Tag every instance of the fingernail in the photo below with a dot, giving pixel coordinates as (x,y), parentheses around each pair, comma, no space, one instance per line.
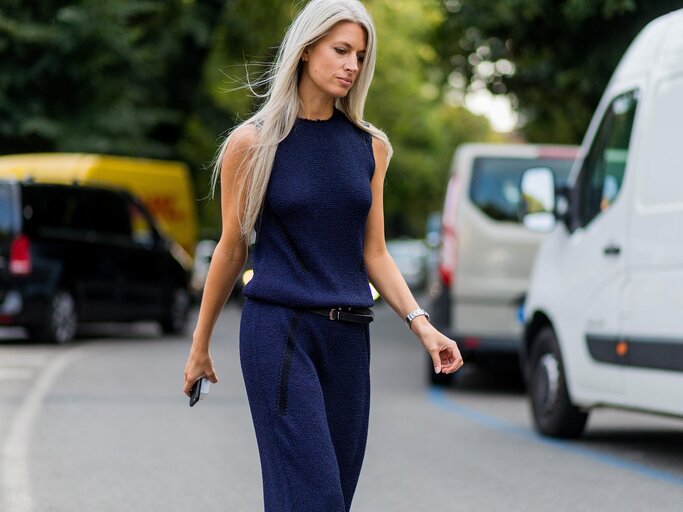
(437,369)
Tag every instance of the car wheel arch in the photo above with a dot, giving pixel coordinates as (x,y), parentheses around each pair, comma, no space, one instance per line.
(538,322)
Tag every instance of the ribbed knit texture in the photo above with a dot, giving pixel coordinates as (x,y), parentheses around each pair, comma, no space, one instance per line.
(308,383)
(309,243)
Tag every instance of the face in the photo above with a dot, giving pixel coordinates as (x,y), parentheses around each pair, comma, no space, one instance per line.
(333,63)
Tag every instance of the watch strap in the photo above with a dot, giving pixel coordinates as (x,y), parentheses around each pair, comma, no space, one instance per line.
(414,314)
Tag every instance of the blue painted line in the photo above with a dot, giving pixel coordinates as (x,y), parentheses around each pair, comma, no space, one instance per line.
(438,398)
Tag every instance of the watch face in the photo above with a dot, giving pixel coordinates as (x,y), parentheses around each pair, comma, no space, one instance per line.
(414,314)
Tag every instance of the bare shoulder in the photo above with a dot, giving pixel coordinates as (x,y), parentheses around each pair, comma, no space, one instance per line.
(236,154)
(243,138)
(379,148)
(381,152)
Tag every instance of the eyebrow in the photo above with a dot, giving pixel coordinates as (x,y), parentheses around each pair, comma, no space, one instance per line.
(344,43)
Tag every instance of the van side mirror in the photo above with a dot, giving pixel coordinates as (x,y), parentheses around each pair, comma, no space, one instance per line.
(538,198)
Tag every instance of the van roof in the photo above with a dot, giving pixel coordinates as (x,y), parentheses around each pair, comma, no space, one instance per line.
(520,150)
(42,185)
(658,46)
(466,153)
(69,167)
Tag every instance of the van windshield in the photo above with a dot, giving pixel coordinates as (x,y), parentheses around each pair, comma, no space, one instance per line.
(494,187)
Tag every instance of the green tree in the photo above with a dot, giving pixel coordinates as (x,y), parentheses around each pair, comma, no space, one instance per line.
(553,57)
(405,100)
(151,78)
(245,40)
(112,76)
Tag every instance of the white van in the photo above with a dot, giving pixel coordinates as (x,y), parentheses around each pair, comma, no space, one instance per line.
(486,253)
(604,312)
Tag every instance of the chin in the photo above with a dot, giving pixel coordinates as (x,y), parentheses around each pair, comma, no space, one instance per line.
(343,93)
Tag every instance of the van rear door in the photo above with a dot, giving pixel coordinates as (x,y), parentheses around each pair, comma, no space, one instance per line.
(9,225)
(495,251)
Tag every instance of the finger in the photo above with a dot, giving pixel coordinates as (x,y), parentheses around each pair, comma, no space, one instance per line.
(454,365)
(447,358)
(213,378)
(189,383)
(436,361)
(446,355)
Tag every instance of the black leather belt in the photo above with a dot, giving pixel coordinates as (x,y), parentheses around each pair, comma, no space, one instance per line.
(354,315)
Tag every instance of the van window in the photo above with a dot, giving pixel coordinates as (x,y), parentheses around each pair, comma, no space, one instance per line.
(76,213)
(107,215)
(50,211)
(603,169)
(494,187)
(142,231)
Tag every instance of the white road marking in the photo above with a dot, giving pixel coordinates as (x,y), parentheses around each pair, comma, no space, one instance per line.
(24,359)
(16,373)
(15,474)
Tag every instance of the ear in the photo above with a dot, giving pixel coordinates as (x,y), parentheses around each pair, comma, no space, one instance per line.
(305,55)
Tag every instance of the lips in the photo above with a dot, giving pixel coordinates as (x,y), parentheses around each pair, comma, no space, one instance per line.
(346,82)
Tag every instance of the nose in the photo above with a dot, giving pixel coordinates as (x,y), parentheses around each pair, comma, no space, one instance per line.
(351,63)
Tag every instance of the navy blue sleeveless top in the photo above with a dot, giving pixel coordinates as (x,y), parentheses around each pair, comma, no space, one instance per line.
(309,238)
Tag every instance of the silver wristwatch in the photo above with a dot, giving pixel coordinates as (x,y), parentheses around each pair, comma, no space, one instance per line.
(414,314)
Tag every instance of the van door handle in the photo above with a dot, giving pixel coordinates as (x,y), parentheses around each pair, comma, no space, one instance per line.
(612,250)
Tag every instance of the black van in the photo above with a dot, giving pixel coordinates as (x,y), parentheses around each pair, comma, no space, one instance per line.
(72,254)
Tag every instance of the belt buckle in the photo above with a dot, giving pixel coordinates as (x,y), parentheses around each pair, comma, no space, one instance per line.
(332,315)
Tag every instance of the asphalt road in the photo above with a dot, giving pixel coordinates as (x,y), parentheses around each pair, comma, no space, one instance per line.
(102,425)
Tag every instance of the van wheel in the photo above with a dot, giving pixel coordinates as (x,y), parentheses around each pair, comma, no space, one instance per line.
(175,319)
(61,321)
(553,412)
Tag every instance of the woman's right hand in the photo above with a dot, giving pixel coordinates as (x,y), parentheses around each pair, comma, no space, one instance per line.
(199,364)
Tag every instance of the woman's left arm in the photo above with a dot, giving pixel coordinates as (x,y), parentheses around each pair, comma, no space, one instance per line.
(386,277)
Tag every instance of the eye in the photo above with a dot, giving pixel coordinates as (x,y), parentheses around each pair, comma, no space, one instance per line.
(340,51)
(361,58)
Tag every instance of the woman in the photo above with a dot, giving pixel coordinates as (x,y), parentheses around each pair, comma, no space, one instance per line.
(307,173)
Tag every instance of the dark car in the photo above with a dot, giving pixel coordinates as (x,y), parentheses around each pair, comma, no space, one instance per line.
(73,254)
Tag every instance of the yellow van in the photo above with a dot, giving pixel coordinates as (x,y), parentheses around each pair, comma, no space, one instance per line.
(164,187)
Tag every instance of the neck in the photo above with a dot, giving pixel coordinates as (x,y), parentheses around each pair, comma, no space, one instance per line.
(314,106)
(316,113)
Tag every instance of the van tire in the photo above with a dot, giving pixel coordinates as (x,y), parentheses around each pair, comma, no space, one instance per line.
(61,321)
(174,320)
(553,412)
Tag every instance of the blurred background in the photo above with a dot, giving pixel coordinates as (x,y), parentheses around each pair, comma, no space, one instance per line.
(157,79)
(111,112)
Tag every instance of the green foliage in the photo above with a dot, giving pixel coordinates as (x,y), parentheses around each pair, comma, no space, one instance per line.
(562,51)
(246,34)
(113,76)
(162,78)
(405,100)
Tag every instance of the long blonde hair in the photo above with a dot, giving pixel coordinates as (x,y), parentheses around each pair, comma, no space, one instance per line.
(277,115)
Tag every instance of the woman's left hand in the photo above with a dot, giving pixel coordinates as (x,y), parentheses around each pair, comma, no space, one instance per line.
(443,350)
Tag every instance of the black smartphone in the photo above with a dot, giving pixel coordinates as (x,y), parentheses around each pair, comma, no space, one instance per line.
(194,393)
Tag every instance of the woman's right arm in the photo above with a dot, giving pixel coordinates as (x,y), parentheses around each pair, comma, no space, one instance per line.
(227,260)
